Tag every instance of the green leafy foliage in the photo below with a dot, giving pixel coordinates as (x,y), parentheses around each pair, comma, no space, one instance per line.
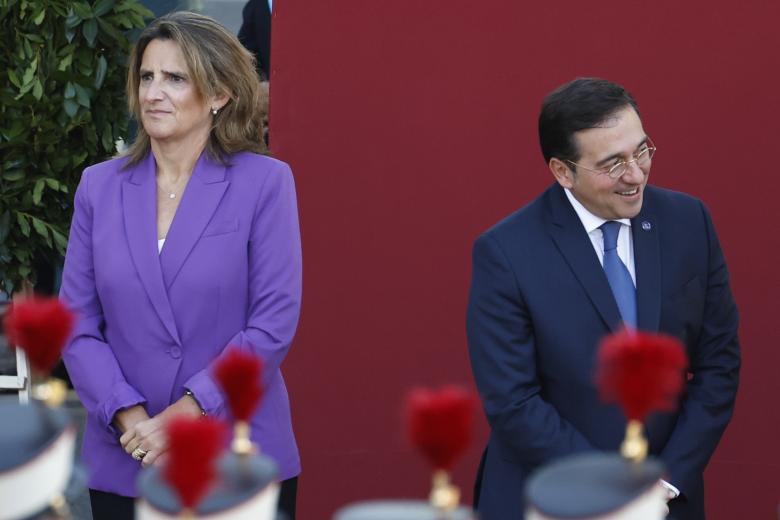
(62,108)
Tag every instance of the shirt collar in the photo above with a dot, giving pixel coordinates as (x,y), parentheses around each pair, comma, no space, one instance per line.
(590,221)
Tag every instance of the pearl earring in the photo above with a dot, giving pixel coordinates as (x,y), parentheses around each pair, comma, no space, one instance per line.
(214,111)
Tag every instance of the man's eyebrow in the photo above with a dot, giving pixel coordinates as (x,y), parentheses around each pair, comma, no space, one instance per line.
(614,156)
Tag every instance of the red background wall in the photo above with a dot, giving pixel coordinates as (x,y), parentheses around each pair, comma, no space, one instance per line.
(411,127)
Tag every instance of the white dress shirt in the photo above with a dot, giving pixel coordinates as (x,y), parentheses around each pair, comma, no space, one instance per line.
(592,223)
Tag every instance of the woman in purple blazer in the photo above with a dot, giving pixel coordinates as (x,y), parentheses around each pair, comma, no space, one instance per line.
(186,244)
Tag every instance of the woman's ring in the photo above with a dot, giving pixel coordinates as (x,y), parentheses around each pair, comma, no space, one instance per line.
(138,453)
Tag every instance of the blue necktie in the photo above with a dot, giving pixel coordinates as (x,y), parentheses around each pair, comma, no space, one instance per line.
(617,274)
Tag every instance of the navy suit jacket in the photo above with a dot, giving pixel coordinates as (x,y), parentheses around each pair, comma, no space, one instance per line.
(539,304)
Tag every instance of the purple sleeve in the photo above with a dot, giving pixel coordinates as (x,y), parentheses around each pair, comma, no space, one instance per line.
(274,286)
(91,363)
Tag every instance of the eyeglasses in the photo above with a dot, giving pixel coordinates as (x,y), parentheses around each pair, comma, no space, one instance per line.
(641,158)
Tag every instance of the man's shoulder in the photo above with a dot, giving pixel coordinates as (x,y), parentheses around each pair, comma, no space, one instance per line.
(664,202)
(666,196)
(527,220)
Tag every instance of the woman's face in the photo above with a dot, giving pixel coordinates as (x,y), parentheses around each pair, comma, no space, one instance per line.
(171,108)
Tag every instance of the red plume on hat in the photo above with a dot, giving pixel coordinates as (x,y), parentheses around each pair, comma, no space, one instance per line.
(194,446)
(40,326)
(643,373)
(440,424)
(239,373)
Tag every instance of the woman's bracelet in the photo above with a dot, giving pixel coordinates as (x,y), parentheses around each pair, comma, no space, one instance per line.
(189,393)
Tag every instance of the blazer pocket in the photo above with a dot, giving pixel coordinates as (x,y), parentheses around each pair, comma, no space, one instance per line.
(221,227)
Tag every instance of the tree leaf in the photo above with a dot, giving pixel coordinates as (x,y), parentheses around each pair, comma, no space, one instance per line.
(38,20)
(65,62)
(23,224)
(70,106)
(102,7)
(110,30)
(37,89)
(52,183)
(28,51)
(29,74)
(100,74)
(14,78)
(82,10)
(15,163)
(60,240)
(38,191)
(142,10)
(24,90)
(82,95)
(107,139)
(72,20)
(14,175)
(40,227)
(70,91)
(90,30)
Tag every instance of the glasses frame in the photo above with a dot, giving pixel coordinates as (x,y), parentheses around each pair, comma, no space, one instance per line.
(622,165)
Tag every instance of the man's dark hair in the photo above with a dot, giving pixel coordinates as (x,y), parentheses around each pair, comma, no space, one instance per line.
(578,105)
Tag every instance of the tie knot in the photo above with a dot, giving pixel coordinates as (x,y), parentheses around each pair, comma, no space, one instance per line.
(610,232)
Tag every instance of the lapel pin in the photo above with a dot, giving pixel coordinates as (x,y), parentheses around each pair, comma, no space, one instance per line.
(647,226)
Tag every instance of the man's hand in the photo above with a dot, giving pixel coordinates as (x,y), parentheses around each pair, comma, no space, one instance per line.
(669,494)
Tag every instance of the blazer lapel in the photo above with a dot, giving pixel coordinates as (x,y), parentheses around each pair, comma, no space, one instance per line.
(575,246)
(198,204)
(647,263)
(139,207)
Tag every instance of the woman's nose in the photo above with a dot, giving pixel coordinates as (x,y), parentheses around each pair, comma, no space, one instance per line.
(153,92)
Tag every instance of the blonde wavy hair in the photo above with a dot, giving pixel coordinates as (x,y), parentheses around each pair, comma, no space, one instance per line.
(217,63)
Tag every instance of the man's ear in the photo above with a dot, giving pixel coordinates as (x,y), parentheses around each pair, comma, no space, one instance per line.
(562,173)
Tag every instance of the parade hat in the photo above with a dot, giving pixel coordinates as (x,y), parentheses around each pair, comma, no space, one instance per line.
(200,478)
(227,487)
(439,424)
(36,459)
(597,486)
(642,373)
(37,439)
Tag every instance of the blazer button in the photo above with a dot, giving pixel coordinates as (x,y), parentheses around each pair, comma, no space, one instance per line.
(175,352)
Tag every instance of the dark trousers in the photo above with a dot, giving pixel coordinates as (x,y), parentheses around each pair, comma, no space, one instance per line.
(108,506)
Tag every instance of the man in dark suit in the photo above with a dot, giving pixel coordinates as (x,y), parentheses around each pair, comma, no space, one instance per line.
(598,249)
(255,34)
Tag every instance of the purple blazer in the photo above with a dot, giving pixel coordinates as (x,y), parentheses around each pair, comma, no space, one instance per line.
(151,325)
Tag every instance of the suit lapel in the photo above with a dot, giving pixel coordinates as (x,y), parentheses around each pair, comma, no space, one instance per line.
(575,246)
(139,207)
(647,263)
(198,204)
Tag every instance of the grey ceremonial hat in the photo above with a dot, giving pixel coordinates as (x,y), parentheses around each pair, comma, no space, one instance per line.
(596,486)
(246,488)
(36,458)
(399,510)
